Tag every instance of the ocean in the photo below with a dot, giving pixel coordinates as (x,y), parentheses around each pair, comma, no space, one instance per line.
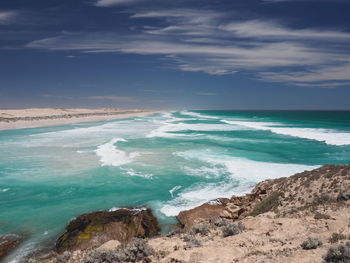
(169,161)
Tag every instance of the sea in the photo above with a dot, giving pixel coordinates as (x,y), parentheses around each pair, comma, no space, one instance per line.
(169,161)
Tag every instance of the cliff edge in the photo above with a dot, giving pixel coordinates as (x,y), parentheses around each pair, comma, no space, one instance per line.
(303,218)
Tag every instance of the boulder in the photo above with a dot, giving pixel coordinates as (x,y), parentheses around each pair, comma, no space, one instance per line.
(94,229)
(8,243)
(211,209)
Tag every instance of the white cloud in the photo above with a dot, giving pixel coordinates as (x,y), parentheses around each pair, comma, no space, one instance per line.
(55,96)
(271,29)
(329,73)
(7,17)
(107,3)
(324,85)
(205,41)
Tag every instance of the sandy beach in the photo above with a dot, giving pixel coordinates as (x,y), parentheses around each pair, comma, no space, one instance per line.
(41,117)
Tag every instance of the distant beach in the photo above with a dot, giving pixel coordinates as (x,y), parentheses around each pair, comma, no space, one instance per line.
(42,117)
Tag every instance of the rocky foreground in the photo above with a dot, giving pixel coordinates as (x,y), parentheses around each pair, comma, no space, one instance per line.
(302,218)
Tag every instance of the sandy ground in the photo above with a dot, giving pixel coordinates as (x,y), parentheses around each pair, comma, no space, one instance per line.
(41,117)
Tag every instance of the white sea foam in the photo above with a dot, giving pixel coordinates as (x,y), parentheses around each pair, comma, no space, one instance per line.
(134,209)
(243,176)
(113,209)
(169,117)
(331,137)
(244,169)
(175,188)
(110,155)
(206,172)
(196,196)
(132,172)
(4,190)
(198,115)
(169,130)
(214,202)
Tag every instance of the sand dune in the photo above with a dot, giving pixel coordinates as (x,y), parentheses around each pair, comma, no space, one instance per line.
(40,117)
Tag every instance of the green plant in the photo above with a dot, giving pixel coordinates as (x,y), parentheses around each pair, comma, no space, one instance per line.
(231,229)
(135,251)
(202,229)
(338,254)
(191,241)
(335,237)
(319,216)
(311,243)
(266,205)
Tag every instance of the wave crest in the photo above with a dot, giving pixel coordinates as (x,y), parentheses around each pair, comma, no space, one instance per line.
(110,155)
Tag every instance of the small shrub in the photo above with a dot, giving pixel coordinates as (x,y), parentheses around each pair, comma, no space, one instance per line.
(175,260)
(319,216)
(162,253)
(135,251)
(64,257)
(191,241)
(311,243)
(324,198)
(335,237)
(231,229)
(219,222)
(202,229)
(345,195)
(338,254)
(256,253)
(267,204)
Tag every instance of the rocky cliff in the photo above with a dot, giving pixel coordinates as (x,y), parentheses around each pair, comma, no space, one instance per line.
(303,218)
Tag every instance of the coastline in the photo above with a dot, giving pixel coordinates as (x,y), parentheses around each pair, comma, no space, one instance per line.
(301,218)
(46,117)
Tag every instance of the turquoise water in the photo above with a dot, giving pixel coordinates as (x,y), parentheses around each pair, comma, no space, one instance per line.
(169,161)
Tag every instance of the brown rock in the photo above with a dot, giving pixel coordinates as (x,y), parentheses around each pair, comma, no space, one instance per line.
(93,229)
(8,243)
(212,209)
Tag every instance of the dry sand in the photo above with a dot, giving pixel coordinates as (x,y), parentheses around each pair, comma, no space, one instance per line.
(41,117)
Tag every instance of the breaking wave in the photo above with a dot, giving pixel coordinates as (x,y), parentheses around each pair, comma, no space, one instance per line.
(328,136)
(110,155)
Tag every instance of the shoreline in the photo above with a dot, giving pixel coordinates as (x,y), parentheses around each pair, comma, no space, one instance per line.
(279,220)
(47,117)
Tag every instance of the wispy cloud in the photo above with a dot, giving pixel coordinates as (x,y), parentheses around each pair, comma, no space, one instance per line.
(341,74)
(324,85)
(55,96)
(108,3)
(316,1)
(273,29)
(206,94)
(216,43)
(114,98)
(8,17)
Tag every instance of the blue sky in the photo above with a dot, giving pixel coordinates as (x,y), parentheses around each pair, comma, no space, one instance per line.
(197,54)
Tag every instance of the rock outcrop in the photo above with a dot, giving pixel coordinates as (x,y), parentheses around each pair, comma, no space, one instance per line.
(208,210)
(283,195)
(299,219)
(93,229)
(8,243)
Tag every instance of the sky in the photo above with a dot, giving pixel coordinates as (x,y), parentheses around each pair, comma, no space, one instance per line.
(175,54)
